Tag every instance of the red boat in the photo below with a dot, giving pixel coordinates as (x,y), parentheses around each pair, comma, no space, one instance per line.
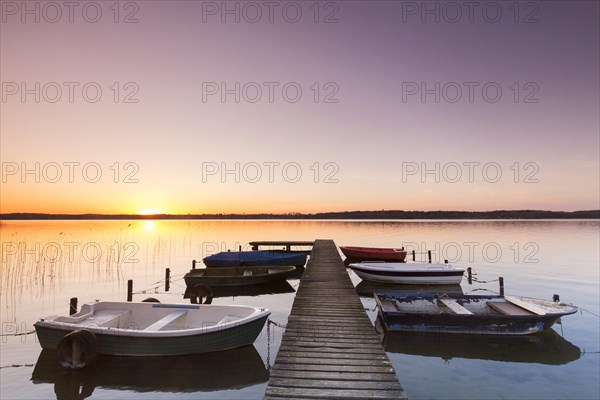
(374,253)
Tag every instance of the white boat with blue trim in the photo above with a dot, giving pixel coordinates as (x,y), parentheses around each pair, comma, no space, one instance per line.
(149,329)
(408,273)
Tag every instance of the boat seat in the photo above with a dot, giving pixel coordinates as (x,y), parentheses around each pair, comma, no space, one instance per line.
(106,318)
(248,272)
(388,305)
(507,308)
(454,306)
(526,305)
(166,320)
(228,318)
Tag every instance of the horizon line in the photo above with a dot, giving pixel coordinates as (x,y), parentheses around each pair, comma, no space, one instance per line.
(356,214)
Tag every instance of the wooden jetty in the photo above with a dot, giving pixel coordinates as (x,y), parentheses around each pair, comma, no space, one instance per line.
(287,244)
(330,349)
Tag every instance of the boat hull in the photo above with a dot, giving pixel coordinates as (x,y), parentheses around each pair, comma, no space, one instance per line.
(411,278)
(127,343)
(236,277)
(254,258)
(479,325)
(373,253)
(409,274)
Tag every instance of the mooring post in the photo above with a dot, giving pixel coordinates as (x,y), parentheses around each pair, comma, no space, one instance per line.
(470,276)
(73,306)
(130,290)
(193,264)
(240,248)
(167,279)
(429,255)
(501,282)
(413,254)
(445,261)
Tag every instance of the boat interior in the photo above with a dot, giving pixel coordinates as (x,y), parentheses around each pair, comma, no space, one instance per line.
(498,305)
(154,316)
(241,271)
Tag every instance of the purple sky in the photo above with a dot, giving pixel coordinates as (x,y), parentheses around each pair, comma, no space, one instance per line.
(371,131)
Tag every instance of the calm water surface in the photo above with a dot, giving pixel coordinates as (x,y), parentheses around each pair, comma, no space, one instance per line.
(46,263)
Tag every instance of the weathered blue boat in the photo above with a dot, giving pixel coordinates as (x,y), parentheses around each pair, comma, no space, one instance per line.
(250,258)
(473,314)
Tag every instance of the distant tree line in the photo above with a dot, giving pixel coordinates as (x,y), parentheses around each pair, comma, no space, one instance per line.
(381,214)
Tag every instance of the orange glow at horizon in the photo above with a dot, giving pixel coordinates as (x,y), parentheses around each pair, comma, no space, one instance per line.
(151,212)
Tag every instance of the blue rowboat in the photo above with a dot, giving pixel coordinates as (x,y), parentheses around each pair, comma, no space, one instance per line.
(253,258)
(474,314)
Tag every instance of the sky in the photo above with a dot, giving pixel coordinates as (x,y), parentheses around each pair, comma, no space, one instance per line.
(282,107)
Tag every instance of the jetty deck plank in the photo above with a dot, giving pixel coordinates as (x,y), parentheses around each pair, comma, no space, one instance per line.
(329,348)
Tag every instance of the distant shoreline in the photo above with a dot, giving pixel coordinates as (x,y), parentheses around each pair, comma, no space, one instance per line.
(349,215)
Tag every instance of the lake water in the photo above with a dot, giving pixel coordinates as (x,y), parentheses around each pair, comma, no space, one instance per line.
(44,264)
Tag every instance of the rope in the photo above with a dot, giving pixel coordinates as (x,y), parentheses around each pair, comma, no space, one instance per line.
(587,311)
(155,288)
(18,366)
(277,324)
(269,323)
(268,346)
(589,352)
(478,281)
(18,334)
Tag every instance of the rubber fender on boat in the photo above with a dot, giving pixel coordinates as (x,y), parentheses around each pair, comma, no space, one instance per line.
(150,300)
(77,349)
(199,292)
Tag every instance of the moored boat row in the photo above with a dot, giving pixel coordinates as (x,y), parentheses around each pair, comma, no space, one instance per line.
(150,329)
(154,329)
(424,310)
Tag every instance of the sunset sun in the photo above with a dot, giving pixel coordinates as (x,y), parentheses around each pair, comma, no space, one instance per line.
(151,211)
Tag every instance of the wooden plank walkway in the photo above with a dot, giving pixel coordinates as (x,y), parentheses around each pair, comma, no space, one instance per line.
(330,349)
(285,243)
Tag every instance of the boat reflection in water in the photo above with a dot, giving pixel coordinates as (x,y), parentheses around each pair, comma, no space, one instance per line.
(547,347)
(367,288)
(231,369)
(252,290)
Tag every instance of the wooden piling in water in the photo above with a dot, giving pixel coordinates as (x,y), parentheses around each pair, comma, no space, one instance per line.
(330,348)
(73,305)
(501,283)
(130,290)
(167,279)
(429,256)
